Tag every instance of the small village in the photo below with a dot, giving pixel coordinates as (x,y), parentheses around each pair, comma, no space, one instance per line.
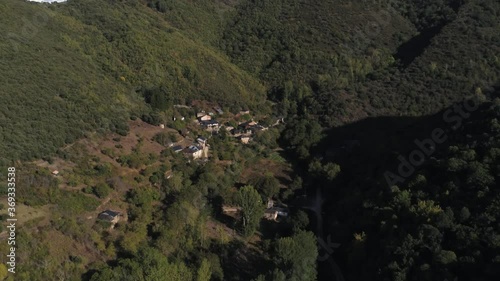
(212,122)
(198,126)
(208,120)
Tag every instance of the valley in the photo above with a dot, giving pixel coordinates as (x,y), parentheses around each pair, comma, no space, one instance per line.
(259,140)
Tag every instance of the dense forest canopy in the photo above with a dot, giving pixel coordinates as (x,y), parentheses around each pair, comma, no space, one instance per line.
(89,62)
(350,92)
(413,217)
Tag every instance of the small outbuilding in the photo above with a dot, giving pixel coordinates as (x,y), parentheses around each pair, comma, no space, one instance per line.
(202,141)
(194,151)
(205,118)
(110,216)
(177,148)
(244,139)
(271,214)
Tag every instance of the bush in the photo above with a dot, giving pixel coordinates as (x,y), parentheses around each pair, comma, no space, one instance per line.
(101,190)
(71,203)
(446,257)
(88,190)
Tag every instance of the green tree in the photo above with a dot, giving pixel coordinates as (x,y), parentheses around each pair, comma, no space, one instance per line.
(300,220)
(445,257)
(148,265)
(267,185)
(252,208)
(175,182)
(101,190)
(296,256)
(327,171)
(331,171)
(464,214)
(163,138)
(260,278)
(3,271)
(204,271)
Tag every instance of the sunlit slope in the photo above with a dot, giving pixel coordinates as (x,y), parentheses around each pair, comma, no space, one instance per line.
(72,67)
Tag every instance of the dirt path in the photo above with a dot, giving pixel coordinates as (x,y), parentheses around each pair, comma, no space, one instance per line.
(106,201)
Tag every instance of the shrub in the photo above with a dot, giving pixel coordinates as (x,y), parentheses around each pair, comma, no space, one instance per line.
(101,190)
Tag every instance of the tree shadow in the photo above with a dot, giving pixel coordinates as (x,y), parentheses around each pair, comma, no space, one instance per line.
(225,219)
(365,151)
(241,262)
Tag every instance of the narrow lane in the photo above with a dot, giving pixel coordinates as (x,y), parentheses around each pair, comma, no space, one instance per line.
(316,207)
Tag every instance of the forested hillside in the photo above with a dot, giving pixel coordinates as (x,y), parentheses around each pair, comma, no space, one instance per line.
(311,43)
(337,61)
(342,62)
(83,65)
(202,19)
(407,217)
